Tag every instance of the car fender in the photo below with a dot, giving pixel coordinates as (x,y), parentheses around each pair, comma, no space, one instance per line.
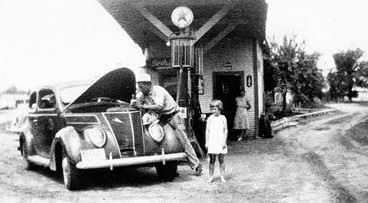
(70,140)
(172,142)
(26,136)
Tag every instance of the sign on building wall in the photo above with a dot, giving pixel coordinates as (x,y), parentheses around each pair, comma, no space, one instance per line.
(228,66)
(159,63)
(249,81)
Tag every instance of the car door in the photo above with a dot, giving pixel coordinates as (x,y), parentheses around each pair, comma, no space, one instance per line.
(45,122)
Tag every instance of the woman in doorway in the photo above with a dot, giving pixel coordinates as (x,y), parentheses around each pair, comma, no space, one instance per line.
(241,117)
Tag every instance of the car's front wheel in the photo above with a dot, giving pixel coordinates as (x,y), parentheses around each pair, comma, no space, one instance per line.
(167,171)
(70,173)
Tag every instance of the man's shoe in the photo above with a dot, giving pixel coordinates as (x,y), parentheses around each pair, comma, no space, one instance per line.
(198,170)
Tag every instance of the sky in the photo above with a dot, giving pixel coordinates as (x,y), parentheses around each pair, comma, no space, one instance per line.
(326,26)
(51,41)
(46,41)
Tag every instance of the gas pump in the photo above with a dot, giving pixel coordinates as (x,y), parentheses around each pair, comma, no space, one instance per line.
(182,58)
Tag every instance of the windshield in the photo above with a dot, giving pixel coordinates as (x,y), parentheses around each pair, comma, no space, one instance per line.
(69,94)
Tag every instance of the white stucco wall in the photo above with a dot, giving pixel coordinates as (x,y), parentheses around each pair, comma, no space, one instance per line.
(239,53)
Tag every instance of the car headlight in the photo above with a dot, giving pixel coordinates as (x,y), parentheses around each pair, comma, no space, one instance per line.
(156,132)
(96,135)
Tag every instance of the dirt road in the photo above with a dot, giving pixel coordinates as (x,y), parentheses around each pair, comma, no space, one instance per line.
(323,159)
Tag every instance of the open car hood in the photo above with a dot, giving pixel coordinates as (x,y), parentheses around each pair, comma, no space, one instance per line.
(118,84)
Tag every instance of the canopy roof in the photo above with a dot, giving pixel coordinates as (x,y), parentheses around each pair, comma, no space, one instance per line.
(147,20)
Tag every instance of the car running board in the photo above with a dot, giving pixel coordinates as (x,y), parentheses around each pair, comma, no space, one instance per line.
(38,160)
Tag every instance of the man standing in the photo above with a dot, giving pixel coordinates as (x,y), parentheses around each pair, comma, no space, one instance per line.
(157,99)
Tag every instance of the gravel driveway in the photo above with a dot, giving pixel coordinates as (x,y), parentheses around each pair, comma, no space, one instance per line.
(323,159)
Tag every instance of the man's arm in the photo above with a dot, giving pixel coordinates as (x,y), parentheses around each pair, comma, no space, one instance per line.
(153,107)
(142,104)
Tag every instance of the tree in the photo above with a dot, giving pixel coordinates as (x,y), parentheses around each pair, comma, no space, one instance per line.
(296,70)
(14,90)
(335,91)
(310,80)
(284,57)
(350,72)
(11,90)
(362,74)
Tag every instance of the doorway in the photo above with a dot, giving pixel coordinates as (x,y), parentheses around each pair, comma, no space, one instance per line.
(226,87)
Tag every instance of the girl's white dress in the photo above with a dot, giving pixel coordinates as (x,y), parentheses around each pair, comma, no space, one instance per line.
(216,136)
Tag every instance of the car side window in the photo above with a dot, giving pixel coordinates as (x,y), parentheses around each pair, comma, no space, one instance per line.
(46,99)
(32,101)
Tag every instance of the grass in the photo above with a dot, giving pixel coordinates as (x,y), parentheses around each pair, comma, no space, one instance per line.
(359,133)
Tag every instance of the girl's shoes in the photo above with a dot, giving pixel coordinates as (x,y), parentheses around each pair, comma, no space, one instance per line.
(240,138)
(210,180)
(223,180)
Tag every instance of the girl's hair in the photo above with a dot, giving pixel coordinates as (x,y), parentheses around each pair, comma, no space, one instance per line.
(217,103)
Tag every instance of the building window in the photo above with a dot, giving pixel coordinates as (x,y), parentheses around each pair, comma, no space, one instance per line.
(168,79)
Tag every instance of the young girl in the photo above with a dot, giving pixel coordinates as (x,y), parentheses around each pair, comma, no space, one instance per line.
(216,136)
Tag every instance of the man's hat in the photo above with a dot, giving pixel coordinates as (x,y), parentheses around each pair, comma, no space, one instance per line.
(143,77)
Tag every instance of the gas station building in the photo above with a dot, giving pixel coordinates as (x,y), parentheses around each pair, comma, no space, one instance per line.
(204,50)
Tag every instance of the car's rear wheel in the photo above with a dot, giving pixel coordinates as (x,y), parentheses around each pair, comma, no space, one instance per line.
(70,173)
(28,164)
(168,171)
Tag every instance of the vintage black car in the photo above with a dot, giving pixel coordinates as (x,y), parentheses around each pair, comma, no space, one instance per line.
(77,126)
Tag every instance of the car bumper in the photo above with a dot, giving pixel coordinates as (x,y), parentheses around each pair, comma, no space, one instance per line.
(130,161)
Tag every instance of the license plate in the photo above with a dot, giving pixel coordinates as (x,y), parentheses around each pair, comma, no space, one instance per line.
(93,155)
